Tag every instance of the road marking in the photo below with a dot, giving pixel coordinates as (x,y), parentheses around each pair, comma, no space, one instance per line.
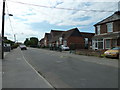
(36,71)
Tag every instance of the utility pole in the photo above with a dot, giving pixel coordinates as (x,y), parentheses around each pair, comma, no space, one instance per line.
(119,6)
(14,38)
(3,25)
(3,21)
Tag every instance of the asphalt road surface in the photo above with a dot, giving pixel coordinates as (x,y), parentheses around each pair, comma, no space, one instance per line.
(63,70)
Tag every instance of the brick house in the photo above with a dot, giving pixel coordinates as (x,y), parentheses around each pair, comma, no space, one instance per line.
(47,38)
(107,33)
(41,42)
(72,37)
(67,38)
(54,41)
(87,39)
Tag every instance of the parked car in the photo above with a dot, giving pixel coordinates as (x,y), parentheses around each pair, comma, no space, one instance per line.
(23,47)
(64,48)
(112,52)
(7,47)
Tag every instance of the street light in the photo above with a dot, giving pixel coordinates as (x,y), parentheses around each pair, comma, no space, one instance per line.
(3,21)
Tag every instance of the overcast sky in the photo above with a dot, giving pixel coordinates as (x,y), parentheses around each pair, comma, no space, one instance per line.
(32,18)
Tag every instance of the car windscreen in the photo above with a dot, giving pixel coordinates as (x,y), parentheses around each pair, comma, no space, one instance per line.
(117,48)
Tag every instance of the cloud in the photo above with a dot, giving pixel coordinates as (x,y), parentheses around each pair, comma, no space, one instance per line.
(25,15)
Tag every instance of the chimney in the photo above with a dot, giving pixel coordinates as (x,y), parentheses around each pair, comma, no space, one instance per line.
(117,12)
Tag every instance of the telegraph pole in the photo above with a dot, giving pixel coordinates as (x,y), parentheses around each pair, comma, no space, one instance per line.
(119,6)
(14,38)
(3,21)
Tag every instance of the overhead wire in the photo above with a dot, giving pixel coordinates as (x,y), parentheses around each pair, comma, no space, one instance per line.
(9,17)
(10,20)
(61,8)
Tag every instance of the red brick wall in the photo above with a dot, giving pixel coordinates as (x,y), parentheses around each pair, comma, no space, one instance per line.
(116,26)
(103,28)
(96,30)
(118,41)
(78,41)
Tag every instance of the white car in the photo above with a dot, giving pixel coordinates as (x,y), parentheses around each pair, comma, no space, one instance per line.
(23,47)
(65,48)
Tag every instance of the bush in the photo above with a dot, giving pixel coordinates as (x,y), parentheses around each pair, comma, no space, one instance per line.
(14,46)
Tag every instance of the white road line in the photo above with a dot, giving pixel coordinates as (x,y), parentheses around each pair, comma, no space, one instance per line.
(36,71)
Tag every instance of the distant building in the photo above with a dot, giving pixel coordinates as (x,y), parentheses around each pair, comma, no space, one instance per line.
(72,37)
(41,43)
(107,33)
(47,38)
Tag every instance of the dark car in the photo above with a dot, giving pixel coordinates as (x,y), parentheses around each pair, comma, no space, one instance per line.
(23,47)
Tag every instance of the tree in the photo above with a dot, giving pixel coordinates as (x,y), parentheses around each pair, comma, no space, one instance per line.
(26,42)
(34,41)
(9,42)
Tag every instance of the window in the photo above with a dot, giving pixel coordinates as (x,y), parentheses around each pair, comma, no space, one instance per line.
(110,27)
(57,43)
(86,40)
(100,45)
(60,39)
(45,42)
(65,43)
(114,43)
(96,44)
(108,46)
(98,29)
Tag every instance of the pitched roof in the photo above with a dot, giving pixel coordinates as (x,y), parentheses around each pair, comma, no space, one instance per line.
(115,16)
(86,35)
(48,36)
(55,34)
(42,40)
(71,32)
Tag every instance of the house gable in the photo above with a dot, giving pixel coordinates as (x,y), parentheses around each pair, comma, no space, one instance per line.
(109,32)
(112,18)
(71,33)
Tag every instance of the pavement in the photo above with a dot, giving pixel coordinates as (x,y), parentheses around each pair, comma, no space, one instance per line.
(0,74)
(18,73)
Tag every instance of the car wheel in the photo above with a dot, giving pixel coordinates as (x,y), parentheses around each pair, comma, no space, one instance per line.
(118,56)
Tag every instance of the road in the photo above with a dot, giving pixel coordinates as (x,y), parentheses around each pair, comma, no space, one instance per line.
(63,70)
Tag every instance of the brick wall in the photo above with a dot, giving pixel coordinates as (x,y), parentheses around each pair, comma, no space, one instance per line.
(77,41)
(103,28)
(116,26)
(118,41)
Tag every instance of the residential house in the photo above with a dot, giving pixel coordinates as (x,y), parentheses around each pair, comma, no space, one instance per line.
(47,38)
(41,42)
(87,39)
(107,33)
(67,38)
(72,38)
(54,41)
